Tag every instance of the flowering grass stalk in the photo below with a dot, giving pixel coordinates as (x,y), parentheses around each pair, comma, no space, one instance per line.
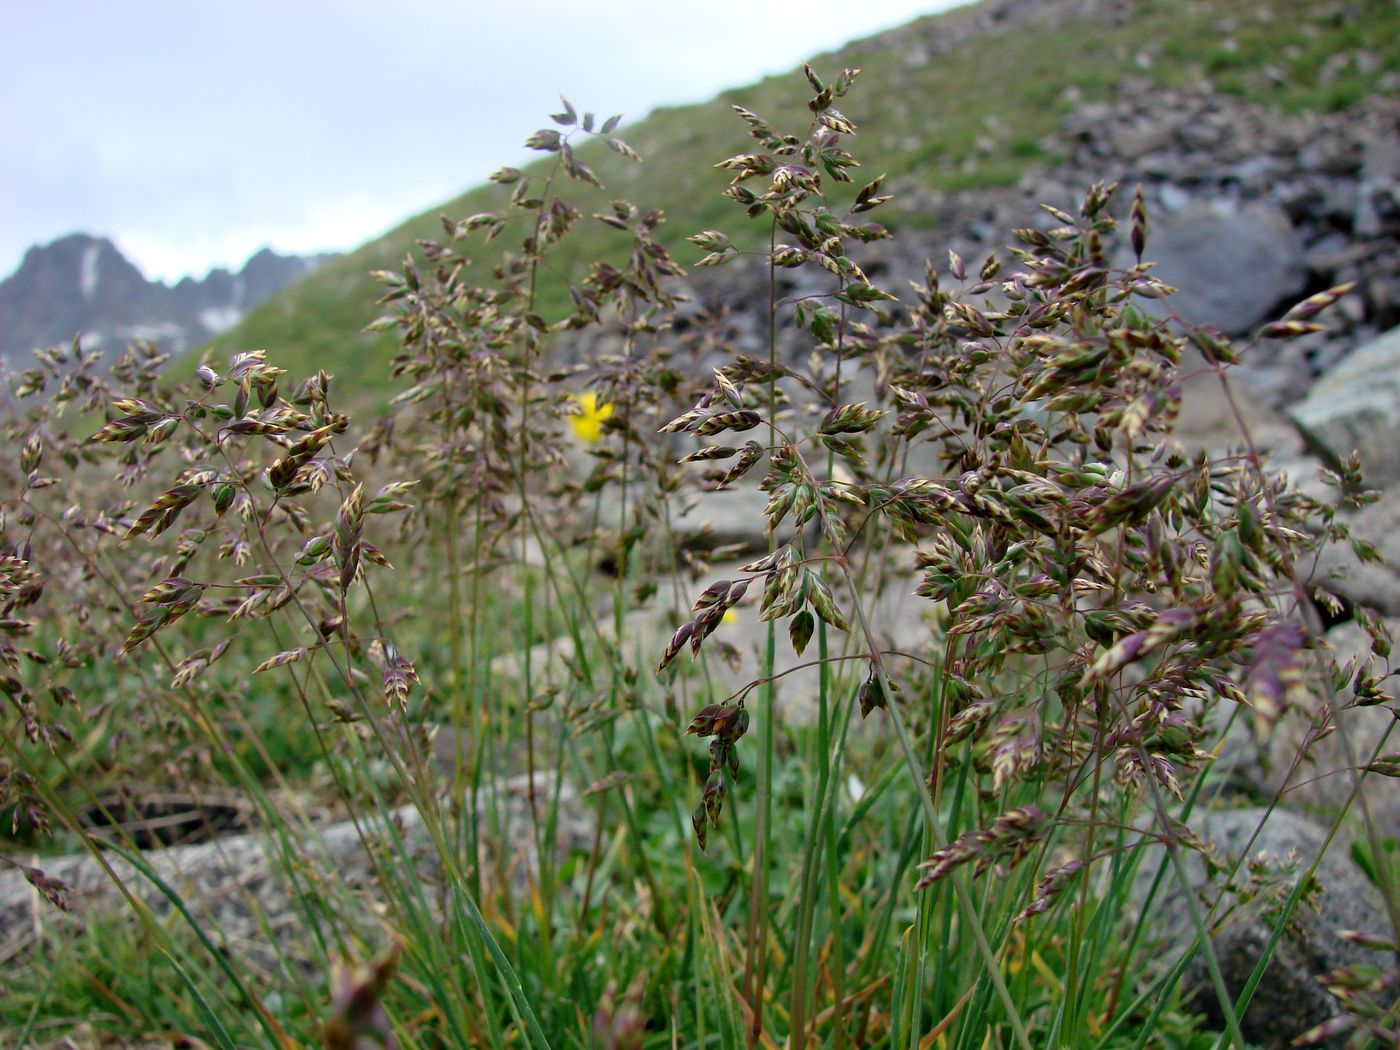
(955,868)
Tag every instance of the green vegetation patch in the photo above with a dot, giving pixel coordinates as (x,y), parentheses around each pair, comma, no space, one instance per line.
(975,116)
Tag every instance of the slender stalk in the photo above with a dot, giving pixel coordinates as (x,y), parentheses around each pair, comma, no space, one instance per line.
(968,905)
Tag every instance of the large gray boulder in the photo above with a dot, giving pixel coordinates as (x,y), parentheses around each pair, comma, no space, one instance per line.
(1355,406)
(1289,1000)
(1232,265)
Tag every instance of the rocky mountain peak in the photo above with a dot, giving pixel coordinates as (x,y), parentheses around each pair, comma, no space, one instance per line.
(82,284)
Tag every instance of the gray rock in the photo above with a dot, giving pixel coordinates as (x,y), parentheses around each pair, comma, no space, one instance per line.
(1309,760)
(1207,418)
(1356,406)
(1232,266)
(1376,585)
(1363,731)
(1331,153)
(1173,198)
(238,885)
(699,520)
(1380,158)
(1131,141)
(1339,201)
(1289,1000)
(729,517)
(1378,197)
(731,659)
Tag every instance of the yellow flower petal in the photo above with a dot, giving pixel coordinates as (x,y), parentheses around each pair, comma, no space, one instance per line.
(587,417)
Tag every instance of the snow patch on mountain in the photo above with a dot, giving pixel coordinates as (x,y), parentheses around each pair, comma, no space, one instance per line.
(87,276)
(220,318)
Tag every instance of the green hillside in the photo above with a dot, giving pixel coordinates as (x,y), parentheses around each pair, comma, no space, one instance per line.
(977,115)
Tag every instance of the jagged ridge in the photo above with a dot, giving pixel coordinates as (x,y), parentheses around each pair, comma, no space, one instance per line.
(81,284)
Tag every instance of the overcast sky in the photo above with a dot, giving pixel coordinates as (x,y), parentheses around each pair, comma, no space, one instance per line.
(193,132)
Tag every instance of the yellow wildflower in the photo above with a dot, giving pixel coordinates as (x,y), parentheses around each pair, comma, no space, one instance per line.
(730,616)
(587,417)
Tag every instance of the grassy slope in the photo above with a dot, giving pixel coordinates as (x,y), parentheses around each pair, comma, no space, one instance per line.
(977,116)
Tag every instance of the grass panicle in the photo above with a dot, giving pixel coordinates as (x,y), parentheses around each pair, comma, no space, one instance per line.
(589,802)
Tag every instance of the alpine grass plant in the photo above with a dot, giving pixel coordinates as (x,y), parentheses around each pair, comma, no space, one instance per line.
(197,592)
